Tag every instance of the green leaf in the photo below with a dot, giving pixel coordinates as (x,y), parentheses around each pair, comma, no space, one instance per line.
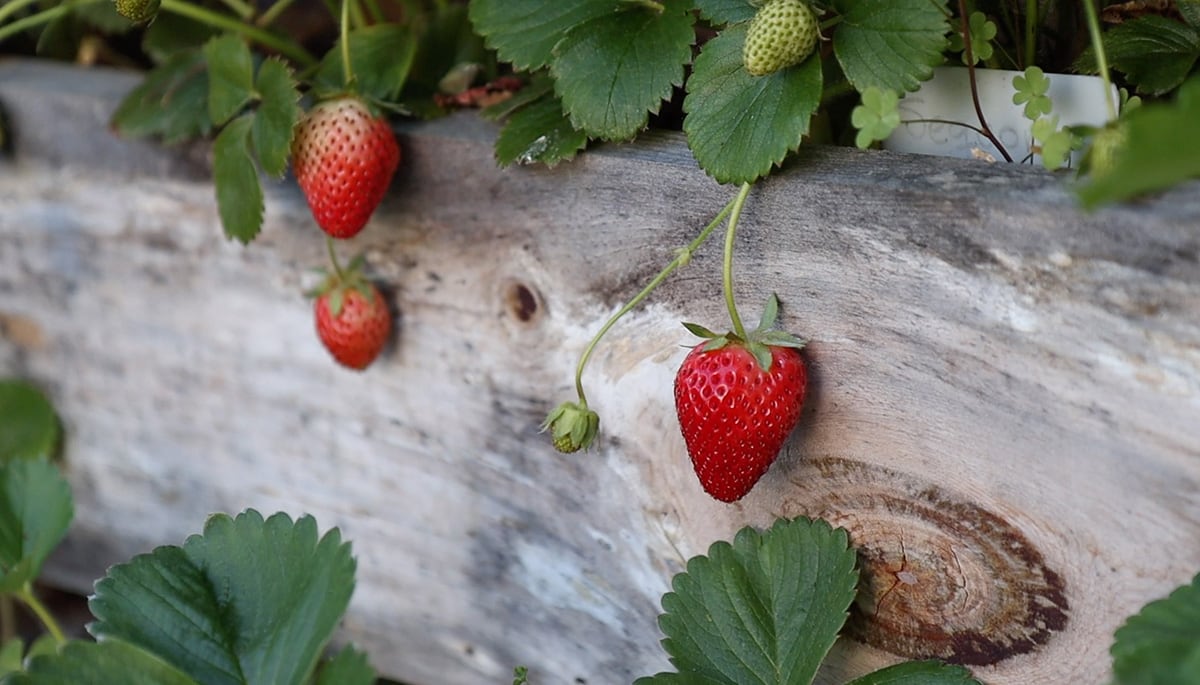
(1155,53)
(249,602)
(739,125)
(699,331)
(35,511)
(1160,645)
(12,654)
(276,116)
(539,132)
(890,44)
(525,32)
(348,667)
(1190,11)
(765,609)
(381,57)
(29,426)
(721,12)
(230,77)
(1162,148)
(769,314)
(239,191)
(172,101)
(171,33)
(539,86)
(612,71)
(918,673)
(105,663)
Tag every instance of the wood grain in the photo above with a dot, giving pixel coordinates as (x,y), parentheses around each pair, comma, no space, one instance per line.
(1003,414)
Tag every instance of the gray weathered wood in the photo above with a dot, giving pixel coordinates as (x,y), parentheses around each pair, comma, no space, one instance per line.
(1004,411)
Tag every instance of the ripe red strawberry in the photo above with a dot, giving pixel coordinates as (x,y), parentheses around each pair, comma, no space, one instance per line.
(353,321)
(737,402)
(344,158)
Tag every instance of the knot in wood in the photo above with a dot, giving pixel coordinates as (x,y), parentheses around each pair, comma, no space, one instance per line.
(941,577)
(521,301)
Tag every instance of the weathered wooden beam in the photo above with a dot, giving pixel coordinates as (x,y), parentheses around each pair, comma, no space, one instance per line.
(1004,412)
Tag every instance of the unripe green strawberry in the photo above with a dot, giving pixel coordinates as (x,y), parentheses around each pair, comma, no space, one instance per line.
(782,34)
(137,11)
(1101,158)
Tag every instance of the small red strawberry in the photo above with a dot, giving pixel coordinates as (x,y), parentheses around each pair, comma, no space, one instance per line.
(344,157)
(737,402)
(353,321)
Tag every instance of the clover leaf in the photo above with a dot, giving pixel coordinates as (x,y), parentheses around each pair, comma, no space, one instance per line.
(876,117)
(1031,88)
(982,31)
(1055,144)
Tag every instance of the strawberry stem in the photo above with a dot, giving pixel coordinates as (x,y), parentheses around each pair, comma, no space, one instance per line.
(30,600)
(337,267)
(285,47)
(1093,24)
(347,69)
(727,264)
(682,257)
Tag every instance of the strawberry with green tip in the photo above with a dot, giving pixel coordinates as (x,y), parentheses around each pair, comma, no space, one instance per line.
(344,157)
(782,33)
(352,317)
(737,401)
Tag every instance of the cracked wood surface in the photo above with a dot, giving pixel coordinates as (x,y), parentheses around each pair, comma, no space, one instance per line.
(1003,414)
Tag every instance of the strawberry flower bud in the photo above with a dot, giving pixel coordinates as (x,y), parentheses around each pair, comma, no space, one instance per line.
(572,426)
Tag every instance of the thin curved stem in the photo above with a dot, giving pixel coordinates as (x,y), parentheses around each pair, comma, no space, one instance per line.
(970,57)
(285,47)
(949,122)
(727,262)
(43,17)
(1093,24)
(337,266)
(681,258)
(12,7)
(243,10)
(8,619)
(347,68)
(267,18)
(29,599)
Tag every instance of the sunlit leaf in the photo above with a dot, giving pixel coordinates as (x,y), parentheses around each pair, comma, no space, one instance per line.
(890,44)
(239,191)
(611,72)
(525,32)
(29,426)
(738,126)
(765,609)
(35,510)
(249,602)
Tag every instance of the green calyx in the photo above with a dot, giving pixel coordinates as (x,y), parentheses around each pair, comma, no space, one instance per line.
(572,426)
(341,280)
(758,341)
